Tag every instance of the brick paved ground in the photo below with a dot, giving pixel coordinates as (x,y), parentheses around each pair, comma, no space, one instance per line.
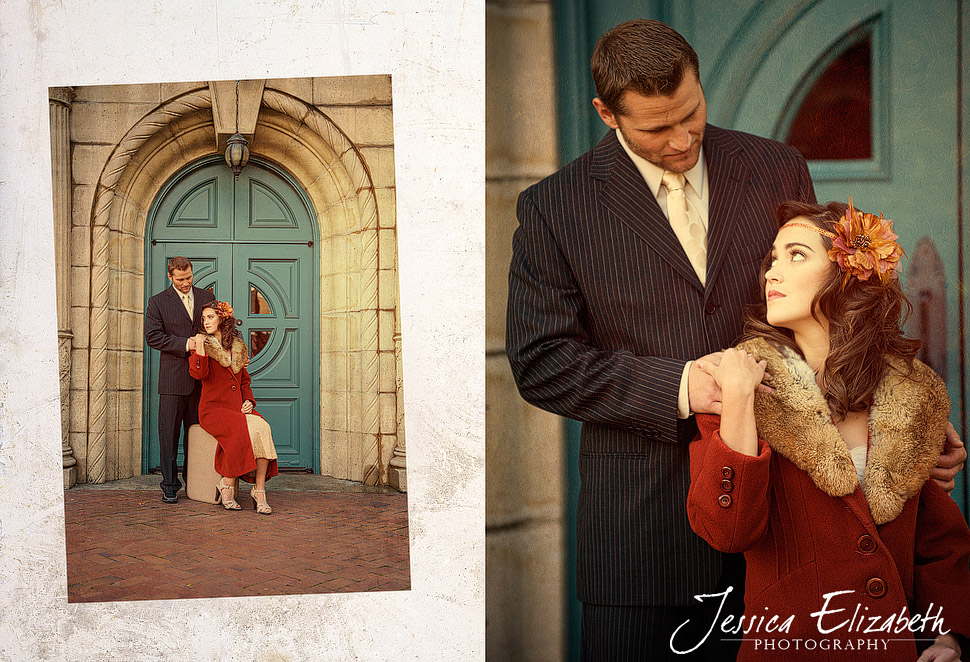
(128,545)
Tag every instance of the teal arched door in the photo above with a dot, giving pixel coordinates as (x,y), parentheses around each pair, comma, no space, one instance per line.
(252,242)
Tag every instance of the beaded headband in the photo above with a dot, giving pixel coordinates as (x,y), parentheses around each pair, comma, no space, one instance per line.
(863,244)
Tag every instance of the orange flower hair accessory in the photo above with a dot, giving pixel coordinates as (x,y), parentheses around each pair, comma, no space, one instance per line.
(863,244)
(223,309)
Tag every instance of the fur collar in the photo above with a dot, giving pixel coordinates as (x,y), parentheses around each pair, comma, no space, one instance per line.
(239,353)
(907,424)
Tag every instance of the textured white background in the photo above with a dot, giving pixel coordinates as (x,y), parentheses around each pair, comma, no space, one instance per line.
(435,54)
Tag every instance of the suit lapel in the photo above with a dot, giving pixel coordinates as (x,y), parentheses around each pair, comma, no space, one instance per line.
(728,209)
(629,198)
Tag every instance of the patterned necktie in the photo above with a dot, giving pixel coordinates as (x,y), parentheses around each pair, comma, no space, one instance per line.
(187,301)
(685,223)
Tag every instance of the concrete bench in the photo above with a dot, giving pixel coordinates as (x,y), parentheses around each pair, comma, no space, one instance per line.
(200,459)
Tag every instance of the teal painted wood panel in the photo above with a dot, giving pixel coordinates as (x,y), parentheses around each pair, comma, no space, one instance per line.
(252,242)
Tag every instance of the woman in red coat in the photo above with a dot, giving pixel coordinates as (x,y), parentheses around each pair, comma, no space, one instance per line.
(852,552)
(226,407)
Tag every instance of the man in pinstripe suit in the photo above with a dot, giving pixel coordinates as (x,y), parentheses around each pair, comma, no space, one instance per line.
(170,324)
(606,312)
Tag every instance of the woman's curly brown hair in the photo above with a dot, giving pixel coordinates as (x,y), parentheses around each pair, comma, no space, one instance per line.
(227,325)
(864,322)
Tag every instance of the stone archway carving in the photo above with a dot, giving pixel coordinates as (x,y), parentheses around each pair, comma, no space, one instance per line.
(304,141)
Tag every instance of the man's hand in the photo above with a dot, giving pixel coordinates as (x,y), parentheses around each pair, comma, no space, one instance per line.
(951,461)
(703,393)
(191,344)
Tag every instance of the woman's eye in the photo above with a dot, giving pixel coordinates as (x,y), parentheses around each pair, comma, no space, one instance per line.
(797,256)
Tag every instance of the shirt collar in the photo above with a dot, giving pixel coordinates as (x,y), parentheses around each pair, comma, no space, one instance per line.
(179,292)
(653,174)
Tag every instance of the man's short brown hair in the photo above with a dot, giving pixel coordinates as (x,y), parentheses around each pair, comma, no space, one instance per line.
(178,262)
(645,56)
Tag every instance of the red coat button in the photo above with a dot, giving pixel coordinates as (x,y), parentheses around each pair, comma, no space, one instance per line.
(727,472)
(727,485)
(866,544)
(724,500)
(233,387)
(876,587)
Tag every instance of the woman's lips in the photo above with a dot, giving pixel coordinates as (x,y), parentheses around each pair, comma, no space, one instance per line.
(774,294)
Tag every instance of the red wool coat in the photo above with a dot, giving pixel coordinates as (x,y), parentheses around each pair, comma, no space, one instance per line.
(225,386)
(807,529)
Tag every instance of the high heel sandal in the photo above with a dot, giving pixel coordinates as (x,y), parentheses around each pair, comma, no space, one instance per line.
(225,495)
(260,504)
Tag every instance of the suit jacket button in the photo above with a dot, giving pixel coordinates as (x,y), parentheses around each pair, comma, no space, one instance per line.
(711,308)
(866,544)
(727,485)
(727,472)
(724,500)
(876,587)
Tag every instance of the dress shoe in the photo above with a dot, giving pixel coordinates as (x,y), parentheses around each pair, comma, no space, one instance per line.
(168,497)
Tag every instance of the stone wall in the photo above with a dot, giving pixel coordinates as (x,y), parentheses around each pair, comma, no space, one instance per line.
(525,490)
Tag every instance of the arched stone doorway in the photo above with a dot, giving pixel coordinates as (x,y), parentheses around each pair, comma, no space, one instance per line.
(359,390)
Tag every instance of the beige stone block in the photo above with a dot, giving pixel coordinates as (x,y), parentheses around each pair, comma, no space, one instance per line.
(169,91)
(82,205)
(354,416)
(388,249)
(340,217)
(91,95)
(352,90)
(341,247)
(386,207)
(345,118)
(355,371)
(87,162)
(78,441)
(354,327)
(525,604)
(326,294)
(301,88)
(524,453)
(79,368)
(106,122)
(111,369)
(388,413)
(340,372)
(80,287)
(132,336)
(132,253)
(370,371)
(521,107)
(355,251)
(80,246)
(340,335)
(79,326)
(353,291)
(339,399)
(388,372)
(79,410)
(380,163)
(500,225)
(388,289)
(375,126)
(337,453)
(133,217)
(386,331)
(339,288)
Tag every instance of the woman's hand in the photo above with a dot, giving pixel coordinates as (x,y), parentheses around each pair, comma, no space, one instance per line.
(199,344)
(944,649)
(738,372)
(247,407)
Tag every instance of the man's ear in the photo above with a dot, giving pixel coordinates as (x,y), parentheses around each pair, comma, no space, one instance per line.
(605,113)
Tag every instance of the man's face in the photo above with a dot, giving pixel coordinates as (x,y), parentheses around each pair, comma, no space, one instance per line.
(666,131)
(182,279)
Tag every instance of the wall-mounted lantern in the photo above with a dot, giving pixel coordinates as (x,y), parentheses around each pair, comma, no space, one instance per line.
(237,147)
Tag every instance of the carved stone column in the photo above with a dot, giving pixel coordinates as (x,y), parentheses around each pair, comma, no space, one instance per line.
(60,111)
(397,471)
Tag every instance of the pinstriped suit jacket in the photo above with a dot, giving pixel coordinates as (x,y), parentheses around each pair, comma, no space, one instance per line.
(604,311)
(167,327)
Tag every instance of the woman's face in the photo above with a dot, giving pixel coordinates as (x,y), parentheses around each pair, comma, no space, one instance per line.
(210,320)
(799,268)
